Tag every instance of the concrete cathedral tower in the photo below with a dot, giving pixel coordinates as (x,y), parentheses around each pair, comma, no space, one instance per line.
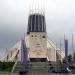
(39,47)
(37,37)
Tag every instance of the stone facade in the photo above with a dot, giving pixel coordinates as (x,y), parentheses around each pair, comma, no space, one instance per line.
(38,45)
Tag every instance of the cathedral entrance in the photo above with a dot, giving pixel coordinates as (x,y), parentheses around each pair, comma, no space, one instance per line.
(38,59)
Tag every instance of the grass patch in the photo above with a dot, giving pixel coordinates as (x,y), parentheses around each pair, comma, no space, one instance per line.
(6,66)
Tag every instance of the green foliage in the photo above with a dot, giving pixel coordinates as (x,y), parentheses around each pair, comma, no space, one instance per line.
(74,57)
(69,58)
(6,66)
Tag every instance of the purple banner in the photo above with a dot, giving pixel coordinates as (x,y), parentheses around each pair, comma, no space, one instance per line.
(66,51)
(24,54)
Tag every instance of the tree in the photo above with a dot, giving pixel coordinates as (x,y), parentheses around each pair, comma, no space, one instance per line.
(74,57)
(69,58)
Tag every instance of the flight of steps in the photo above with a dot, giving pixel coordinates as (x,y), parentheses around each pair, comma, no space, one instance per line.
(39,68)
(20,67)
(52,67)
(34,68)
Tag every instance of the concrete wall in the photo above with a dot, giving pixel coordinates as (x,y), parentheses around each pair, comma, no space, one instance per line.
(38,45)
(51,54)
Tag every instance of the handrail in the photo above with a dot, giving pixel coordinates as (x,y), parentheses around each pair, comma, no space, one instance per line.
(14,66)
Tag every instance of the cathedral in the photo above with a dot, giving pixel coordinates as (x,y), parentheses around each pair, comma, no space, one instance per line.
(39,47)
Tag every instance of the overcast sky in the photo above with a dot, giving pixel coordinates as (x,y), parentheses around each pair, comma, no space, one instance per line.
(60,19)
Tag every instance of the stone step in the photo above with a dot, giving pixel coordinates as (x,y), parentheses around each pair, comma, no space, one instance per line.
(34,67)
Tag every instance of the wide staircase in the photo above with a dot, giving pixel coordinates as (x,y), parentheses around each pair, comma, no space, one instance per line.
(38,68)
(18,67)
(34,68)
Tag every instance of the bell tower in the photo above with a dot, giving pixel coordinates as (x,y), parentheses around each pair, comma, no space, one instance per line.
(37,37)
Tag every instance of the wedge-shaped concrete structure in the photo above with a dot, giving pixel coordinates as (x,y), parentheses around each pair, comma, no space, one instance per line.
(38,45)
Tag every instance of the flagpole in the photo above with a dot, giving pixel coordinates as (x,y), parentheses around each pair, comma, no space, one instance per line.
(60,50)
(60,56)
(72,49)
(72,44)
